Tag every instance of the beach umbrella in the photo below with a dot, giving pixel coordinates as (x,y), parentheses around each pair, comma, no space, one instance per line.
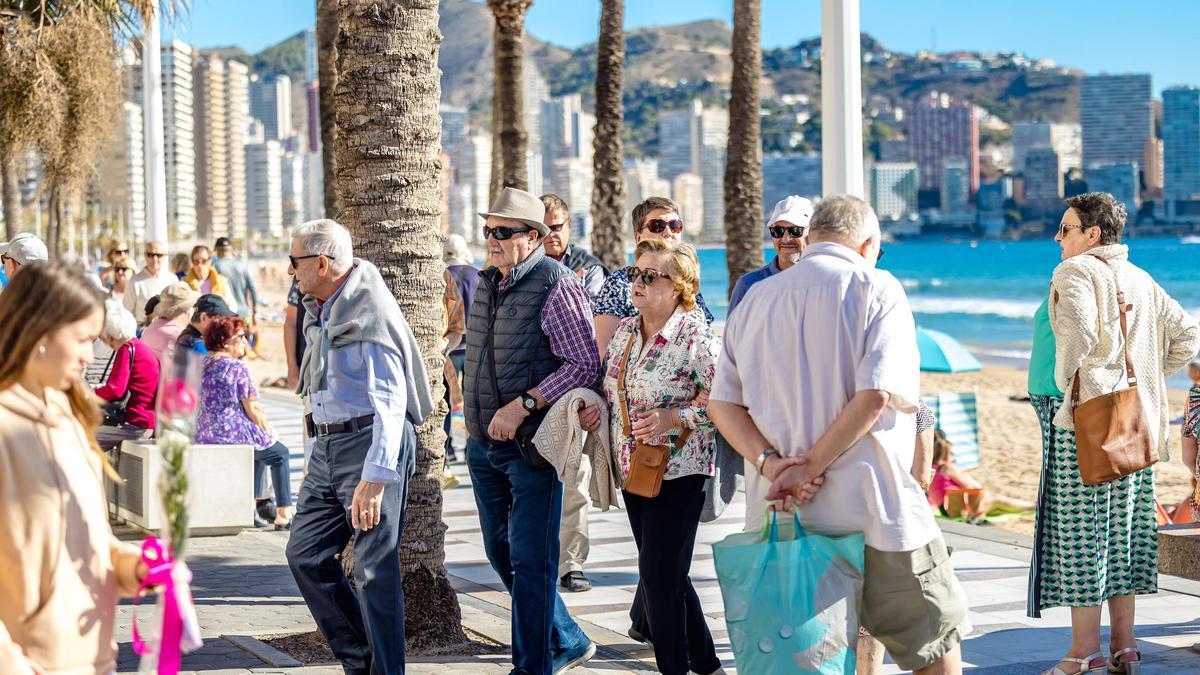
(943,354)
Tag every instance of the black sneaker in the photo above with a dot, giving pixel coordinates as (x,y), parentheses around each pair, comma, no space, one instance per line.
(575,582)
(637,636)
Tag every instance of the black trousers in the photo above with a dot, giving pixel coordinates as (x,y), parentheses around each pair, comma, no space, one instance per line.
(365,632)
(665,531)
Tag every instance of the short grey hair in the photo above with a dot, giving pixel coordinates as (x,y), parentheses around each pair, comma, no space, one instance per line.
(326,237)
(119,324)
(844,218)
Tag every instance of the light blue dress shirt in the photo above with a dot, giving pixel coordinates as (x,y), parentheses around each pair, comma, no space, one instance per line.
(365,378)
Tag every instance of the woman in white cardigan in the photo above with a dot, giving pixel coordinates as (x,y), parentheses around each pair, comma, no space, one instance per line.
(1099,542)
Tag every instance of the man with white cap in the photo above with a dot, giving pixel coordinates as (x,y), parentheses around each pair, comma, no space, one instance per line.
(24,248)
(788,226)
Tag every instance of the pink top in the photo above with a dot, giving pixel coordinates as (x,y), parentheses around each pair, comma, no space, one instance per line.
(937,489)
(142,383)
(160,336)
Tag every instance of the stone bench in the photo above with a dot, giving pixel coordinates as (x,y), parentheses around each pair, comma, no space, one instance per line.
(220,487)
(1179,550)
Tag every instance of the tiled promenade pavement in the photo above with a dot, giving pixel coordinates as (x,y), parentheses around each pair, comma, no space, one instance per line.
(242,587)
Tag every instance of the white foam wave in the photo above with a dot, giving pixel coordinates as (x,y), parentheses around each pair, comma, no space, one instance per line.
(1000,353)
(1009,309)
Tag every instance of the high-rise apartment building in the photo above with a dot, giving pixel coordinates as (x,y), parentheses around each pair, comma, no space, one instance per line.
(566,133)
(292,190)
(264,188)
(209,84)
(314,186)
(893,188)
(475,175)
(955,189)
(688,192)
(944,127)
(1121,181)
(695,141)
(179,137)
(1066,139)
(271,103)
(572,178)
(121,184)
(790,174)
(1043,179)
(237,121)
(1117,119)
(1181,143)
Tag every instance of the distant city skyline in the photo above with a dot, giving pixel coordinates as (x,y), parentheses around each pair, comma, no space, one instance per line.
(1155,35)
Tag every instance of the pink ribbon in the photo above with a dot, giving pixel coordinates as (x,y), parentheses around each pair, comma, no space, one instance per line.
(160,563)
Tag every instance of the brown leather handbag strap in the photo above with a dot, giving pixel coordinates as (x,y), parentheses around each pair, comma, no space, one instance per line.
(1123,308)
(683,437)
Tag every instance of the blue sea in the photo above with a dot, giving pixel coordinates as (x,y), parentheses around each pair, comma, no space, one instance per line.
(985,293)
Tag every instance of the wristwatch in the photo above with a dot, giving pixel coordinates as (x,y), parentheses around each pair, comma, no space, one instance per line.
(762,459)
(528,402)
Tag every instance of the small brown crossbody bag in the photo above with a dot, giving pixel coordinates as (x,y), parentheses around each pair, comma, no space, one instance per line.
(648,463)
(1112,436)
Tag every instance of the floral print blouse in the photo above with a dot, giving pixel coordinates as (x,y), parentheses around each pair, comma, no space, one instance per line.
(222,420)
(678,364)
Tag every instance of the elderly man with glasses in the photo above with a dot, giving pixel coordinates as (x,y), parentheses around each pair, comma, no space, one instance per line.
(557,244)
(529,342)
(788,226)
(148,283)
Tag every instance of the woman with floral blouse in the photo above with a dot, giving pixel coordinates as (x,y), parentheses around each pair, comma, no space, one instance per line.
(669,355)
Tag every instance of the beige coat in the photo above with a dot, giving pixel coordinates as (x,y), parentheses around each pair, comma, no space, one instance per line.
(562,441)
(1087,334)
(61,569)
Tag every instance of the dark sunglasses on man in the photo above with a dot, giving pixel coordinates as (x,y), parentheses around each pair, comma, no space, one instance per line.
(120,251)
(648,276)
(658,225)
(502,233)
(777,231)
(557,227)
(150,254)
(295,262)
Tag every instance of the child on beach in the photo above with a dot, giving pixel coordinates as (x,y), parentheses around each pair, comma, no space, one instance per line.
(1191,429)
(948,477)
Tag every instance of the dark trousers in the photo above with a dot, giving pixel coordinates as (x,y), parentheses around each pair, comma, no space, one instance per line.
(365,632)
(458,359)
(277,458)
(665,531)
(520,509)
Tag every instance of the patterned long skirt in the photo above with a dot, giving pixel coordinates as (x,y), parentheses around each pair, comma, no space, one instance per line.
(1093,542)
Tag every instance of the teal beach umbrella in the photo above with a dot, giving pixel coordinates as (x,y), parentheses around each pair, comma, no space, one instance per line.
(941,353)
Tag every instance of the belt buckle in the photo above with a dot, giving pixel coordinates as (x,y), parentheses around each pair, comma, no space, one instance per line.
(323,429)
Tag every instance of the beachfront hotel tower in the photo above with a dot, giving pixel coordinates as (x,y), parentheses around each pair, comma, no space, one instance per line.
(1117,118)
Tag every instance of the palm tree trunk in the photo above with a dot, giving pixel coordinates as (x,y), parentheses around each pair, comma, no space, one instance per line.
(11,194)
(608,188)
(327,30)
(509,88)
(387,154)
(496,180)
(743,171)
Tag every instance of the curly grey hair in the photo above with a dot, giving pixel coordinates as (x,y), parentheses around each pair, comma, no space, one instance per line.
(1102,210)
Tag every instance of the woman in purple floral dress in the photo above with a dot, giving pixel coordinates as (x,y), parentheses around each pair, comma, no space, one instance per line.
(660,363)
(230,413)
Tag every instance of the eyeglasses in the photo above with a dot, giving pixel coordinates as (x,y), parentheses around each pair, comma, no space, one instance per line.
(658,226)
(239,336)
(777,231)
(647,276)
(295,262)
(155,255)
(201,261)
(120,251)
(124,270)
(557,227)
(502,233)
(1063,227)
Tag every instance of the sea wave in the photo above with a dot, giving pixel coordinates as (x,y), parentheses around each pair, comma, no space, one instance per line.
(1009,309)
(918,284)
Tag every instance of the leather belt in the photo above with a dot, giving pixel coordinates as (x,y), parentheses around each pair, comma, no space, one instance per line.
(330,428)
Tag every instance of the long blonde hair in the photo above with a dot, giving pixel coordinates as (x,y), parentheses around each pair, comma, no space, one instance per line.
(43,298)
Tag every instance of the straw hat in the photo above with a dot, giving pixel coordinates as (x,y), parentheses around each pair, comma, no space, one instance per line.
(522,206)
(174,300)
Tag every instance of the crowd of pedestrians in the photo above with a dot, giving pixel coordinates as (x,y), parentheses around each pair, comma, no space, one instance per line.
(812,392)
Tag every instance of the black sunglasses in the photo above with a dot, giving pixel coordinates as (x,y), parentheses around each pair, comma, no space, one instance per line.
(647,276)
(658,226)
(557,227)
(880,256)
(503,233)
(295,261)
(121,251)
(155,255)
(777,231)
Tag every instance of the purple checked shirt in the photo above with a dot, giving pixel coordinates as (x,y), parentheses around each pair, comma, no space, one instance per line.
(567,321)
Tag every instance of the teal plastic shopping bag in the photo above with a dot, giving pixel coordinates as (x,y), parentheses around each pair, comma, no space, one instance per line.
(791,601)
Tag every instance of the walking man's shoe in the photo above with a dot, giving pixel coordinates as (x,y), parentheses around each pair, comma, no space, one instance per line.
(575,582)
(571,658)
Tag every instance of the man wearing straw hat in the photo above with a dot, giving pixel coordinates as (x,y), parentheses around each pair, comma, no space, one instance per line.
(529,342)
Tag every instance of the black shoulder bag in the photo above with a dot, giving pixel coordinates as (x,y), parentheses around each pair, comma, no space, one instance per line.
(114,411)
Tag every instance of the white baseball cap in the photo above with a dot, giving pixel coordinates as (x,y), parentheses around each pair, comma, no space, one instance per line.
(25,248)
(793,209)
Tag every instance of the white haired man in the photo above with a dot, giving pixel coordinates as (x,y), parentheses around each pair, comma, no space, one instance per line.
(149,282)
(816,428)
(363,378)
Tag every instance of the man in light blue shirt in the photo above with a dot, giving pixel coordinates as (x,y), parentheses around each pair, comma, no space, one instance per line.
(788,226)
(365,384)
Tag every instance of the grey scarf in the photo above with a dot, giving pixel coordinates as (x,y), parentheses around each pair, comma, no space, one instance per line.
(365,311)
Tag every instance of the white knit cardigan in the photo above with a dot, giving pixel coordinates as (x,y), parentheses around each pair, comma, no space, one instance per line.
(1087,334)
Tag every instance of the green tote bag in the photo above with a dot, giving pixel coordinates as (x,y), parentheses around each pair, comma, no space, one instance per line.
(791,601)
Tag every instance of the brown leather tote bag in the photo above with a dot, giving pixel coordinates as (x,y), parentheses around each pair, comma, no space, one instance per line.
(1112,436)
(648,463)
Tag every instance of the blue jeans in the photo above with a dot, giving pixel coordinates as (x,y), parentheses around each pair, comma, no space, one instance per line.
(520,508)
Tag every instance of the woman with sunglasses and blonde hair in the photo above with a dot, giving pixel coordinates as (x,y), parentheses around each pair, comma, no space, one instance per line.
(62,568)
(659,362)
(654,218)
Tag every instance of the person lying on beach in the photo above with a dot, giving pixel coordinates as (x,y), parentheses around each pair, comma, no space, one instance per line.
(948,477)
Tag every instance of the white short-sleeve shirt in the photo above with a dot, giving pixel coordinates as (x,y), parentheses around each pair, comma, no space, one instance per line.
(801,344)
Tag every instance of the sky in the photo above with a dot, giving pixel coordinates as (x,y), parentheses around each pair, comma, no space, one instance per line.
(1115,36)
